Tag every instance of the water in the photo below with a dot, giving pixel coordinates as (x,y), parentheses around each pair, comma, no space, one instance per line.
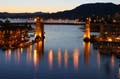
(62,54)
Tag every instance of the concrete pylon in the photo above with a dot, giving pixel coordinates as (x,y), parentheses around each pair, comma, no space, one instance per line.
(87,30)
(39,28)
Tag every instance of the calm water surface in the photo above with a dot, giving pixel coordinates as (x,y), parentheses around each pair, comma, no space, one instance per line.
(62,54)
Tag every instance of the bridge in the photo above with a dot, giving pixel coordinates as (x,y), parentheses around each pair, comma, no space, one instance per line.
(46,22)
(13,36)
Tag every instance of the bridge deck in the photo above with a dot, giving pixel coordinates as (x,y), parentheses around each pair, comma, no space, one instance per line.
(32,23)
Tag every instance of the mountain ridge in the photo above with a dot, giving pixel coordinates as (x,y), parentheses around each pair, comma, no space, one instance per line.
(82,11)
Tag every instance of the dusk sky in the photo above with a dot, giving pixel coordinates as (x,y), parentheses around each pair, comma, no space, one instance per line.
(44,5)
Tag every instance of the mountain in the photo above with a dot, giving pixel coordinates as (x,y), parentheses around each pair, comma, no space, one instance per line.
(96,9)
(20,15)
(82,11)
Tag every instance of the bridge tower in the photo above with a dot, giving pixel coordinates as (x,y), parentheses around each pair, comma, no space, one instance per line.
(39,28)
(87,30)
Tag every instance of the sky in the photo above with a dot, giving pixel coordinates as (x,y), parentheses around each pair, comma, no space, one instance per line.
(18,6)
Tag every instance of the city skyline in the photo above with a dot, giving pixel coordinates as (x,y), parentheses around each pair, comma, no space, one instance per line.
(50,6)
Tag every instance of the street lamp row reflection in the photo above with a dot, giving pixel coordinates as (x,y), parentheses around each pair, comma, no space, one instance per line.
(33,54)
(65,57)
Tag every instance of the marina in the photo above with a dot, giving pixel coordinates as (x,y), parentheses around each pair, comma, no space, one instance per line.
(17,36)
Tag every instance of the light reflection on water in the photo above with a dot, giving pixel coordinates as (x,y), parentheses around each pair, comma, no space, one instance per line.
(59,58)
(66,58)
(50,58)
(76,58)
(86,52)
(112,61)
(98,60)
(8,55)
(62,54)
